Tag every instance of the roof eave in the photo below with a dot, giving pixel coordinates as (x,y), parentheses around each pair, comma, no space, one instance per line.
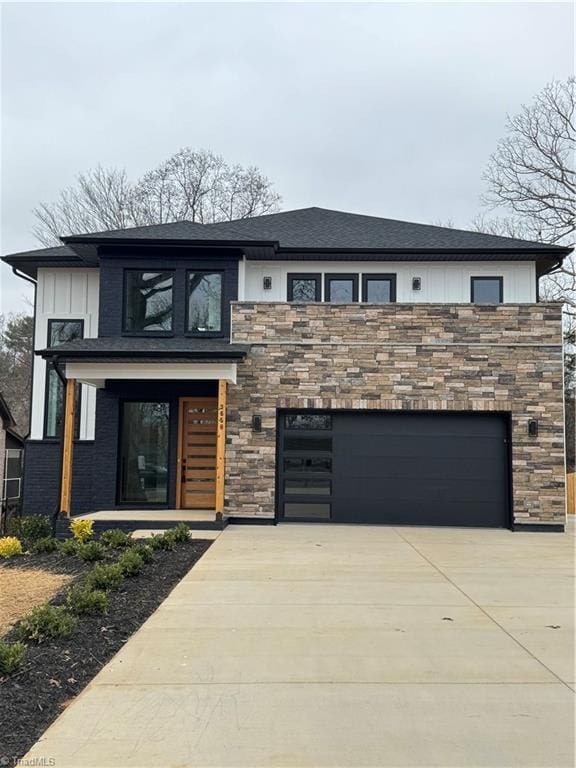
(85,355)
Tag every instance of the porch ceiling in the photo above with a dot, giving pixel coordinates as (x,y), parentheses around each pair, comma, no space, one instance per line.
(95,374)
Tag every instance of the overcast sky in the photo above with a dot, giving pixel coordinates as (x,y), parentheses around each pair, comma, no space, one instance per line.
(387,109)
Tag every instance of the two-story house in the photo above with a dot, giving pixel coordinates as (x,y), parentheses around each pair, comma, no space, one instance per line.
(310,365)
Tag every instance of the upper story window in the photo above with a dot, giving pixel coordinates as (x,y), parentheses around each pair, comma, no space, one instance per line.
(304,288)
(341,289)
(204,302)
(148,301)
(59,332)
(487,290)
(379,289)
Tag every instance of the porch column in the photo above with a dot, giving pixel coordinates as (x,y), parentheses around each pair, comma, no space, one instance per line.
(67,446)
(220,448)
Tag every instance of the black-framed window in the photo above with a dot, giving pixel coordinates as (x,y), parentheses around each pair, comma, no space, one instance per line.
(60,332)
(378,289)
(304,288)
(144,452)
(487,290)
(341,288)
(204,292)
(148,301)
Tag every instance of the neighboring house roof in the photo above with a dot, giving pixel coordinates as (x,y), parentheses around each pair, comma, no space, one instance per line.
(7,420)
(130,347)
(300,233)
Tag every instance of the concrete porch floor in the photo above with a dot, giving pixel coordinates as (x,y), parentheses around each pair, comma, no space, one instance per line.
(151,515)
(350,646)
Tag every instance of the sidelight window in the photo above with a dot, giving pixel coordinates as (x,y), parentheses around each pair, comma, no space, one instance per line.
(144,433)
(60,332)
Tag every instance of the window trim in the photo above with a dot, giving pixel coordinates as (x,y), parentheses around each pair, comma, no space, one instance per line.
(500,280)
(316,276)
(50,367)
(125,332)
(204,334)
(169,463)
(368,276)
(329,276)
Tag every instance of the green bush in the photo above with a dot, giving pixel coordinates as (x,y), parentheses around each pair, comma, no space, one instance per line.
(144,551)
(83,601)
(44,623)
(105,577)
(181,532)
(115,538)
(90,551)
(35,527)
(44,546)
(131,563)
(11,657)
(67,547)
(166,540)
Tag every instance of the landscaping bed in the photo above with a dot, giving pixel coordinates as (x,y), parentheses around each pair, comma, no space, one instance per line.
(56,670)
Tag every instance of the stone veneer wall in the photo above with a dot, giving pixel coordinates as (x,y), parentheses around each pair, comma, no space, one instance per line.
(400,356)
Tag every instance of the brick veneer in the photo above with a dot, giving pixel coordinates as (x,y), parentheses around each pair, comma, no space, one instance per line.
(400,356)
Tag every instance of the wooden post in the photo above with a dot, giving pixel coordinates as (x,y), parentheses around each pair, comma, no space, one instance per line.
(67,446)
(220,448)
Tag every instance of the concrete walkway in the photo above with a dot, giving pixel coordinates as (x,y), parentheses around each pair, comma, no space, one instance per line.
(309,645)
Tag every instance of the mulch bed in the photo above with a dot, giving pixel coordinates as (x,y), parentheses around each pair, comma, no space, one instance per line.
(55,672)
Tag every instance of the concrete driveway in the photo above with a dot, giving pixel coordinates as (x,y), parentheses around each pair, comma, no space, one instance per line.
(309,645)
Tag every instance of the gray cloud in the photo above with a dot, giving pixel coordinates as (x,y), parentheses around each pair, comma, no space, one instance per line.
(390,109)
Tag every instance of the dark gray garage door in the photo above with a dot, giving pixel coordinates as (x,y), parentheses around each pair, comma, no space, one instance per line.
(396,468)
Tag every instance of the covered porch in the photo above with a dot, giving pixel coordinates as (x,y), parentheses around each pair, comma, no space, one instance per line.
(159,448)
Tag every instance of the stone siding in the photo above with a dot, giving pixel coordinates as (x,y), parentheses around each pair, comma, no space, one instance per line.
(505,358)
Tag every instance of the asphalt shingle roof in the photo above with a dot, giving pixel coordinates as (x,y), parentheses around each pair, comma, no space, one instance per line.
(152,347)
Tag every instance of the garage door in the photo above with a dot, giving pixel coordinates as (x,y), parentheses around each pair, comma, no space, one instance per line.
(396,468)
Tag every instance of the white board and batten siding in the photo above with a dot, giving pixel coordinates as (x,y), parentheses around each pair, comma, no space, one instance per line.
(442,282)
(63,294)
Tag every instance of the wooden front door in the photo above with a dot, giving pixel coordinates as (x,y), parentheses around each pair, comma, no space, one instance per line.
(196,488)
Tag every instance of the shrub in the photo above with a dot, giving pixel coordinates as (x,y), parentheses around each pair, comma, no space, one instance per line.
(131,563)
(44,545)
(10,546)
(166,540)
(181,532)
(144,551)
(115,538)
(35,527)
(45,622)
(67,547)
(11,657)
(105,577)
(90,551)
(82,530)
(82,600)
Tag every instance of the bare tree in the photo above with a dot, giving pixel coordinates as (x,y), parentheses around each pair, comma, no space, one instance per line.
(531,177)
(193,185)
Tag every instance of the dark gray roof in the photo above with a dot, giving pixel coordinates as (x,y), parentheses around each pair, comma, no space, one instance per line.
(128,347)
(58,251)
(320,229)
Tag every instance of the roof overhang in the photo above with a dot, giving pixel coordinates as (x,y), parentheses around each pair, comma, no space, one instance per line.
(96,374)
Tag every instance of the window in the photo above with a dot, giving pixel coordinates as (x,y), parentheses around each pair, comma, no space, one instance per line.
(307,487)
(304,288)
(321,464)
(144,432)
(147,302)
(60,332)
(204,297)
(487,290)
(379,289)
(341,289)
(308,421)
(306,510)
(305,444)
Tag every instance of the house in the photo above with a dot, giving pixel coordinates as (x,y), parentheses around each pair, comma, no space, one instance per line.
(11,449)
(309,365)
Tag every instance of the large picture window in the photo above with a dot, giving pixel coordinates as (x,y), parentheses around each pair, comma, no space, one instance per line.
(144,435)
(378,289)
(303,288)
(487,290)
(148,302)
(204,308)
(60,332)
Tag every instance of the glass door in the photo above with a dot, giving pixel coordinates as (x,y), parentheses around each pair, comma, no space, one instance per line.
(144,440)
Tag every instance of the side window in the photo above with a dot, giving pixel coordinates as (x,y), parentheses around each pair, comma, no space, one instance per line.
(204,302)
(487,290)
(304,288)
(341,289)
(60,332)
(147,301)
(378,289)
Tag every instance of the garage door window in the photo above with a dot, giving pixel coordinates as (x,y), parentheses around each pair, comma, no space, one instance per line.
(307,487)
(306,511)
